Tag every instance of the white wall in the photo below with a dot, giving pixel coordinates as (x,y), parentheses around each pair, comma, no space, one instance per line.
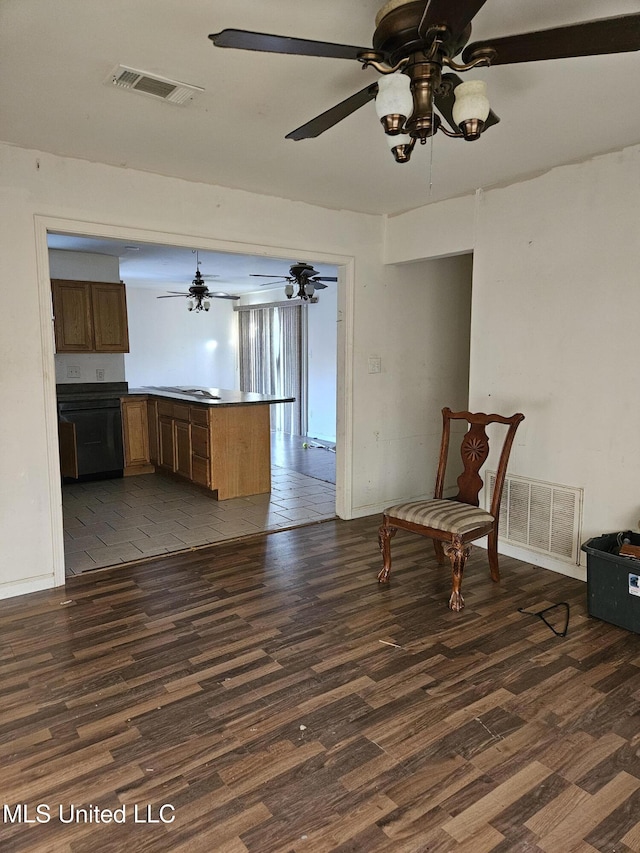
(554,332)
(434,231)
(86,266)
(83,266)
(423,345)
(170,345)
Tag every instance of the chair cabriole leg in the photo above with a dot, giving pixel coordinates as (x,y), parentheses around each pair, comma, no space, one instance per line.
(492,551)
(385,535)
(457,552)
(439,549)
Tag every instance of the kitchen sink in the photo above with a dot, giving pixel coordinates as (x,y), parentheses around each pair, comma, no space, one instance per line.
(189,392)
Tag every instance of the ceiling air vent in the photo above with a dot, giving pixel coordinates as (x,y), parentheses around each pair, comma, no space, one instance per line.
(150,84)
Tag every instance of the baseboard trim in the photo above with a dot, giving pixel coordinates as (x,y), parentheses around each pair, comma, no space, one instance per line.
(37,584)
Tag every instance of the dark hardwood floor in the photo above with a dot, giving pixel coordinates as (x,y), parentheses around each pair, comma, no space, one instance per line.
(272,697)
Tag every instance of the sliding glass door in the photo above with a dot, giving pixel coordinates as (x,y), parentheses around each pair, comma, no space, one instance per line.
(273,359)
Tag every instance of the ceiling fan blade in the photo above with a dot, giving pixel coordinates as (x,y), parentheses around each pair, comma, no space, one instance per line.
(220,295)
(246,40)
(173,296)
(324,278)
(263,275)
(605,35)
(455,16)
(492,119)
(445,99)
(318,285)
(327,119)
(272,283)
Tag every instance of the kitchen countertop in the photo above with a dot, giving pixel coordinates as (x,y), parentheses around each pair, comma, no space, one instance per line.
(207,396)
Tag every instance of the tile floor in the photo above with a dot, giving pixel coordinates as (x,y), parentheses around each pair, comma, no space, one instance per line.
(107,522)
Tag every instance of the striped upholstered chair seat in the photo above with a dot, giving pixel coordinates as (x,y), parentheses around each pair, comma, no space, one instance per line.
(448,516)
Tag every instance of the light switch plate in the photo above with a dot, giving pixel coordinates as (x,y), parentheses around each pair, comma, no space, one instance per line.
(375,364)
(100,374)
(73,372)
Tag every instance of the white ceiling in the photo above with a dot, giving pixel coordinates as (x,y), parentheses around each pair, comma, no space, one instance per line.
(173,267)
(56,56)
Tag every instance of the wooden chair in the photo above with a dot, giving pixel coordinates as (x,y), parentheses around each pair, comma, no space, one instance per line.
(457,521)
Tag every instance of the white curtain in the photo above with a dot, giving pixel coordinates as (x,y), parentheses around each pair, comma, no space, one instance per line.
(273,360)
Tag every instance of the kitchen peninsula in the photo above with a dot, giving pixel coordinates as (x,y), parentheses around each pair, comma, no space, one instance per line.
(216,438)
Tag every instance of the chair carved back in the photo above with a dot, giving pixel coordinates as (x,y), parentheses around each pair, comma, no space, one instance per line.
(474,451)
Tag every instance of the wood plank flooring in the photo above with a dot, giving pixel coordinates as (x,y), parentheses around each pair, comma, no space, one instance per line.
(274,699)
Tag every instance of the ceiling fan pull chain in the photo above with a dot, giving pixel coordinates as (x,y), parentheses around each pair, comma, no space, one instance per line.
(431,154)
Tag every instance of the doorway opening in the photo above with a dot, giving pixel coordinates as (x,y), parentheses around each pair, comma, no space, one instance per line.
(113,543)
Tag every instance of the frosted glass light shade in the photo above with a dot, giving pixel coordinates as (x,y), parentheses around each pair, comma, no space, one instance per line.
(288,290)
(399,139)
(401,146)
(471,102)
(309,288)
(394,96)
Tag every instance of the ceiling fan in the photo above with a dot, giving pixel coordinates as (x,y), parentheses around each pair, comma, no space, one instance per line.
(304,277)
(199,293)
(413,40)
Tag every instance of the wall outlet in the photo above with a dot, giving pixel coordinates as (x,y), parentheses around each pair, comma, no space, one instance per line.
(73,372)
(100,374)
(375,364)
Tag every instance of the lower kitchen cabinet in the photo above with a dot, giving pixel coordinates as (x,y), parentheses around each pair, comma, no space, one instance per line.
(182,438)
(152,421)
(226,449)
(135,436)
(200,470)
(166,443)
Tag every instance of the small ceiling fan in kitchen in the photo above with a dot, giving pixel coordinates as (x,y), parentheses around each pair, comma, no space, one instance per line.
(301,283)
(199,293)
(412,43)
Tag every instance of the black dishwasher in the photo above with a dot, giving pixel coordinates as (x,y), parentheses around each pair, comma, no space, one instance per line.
(96,417)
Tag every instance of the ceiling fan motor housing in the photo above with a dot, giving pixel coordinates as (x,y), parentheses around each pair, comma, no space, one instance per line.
(397,33)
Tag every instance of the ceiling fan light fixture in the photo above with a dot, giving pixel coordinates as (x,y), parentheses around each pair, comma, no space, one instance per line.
(471,108)
(289,290)
(401,146)
(309,289)
(394,102)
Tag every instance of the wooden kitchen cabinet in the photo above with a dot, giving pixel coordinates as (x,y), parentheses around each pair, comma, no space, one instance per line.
(166,443)
(90,316)
(135,435)
(240,450)
(174,437)
(152,420)
(200,452)
(225,449)
(182,438)
(110,327)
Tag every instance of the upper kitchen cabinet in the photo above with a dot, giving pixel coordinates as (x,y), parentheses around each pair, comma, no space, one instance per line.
(90,316)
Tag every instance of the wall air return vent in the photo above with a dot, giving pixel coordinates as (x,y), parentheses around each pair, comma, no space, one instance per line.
(150,84)
(544,517)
